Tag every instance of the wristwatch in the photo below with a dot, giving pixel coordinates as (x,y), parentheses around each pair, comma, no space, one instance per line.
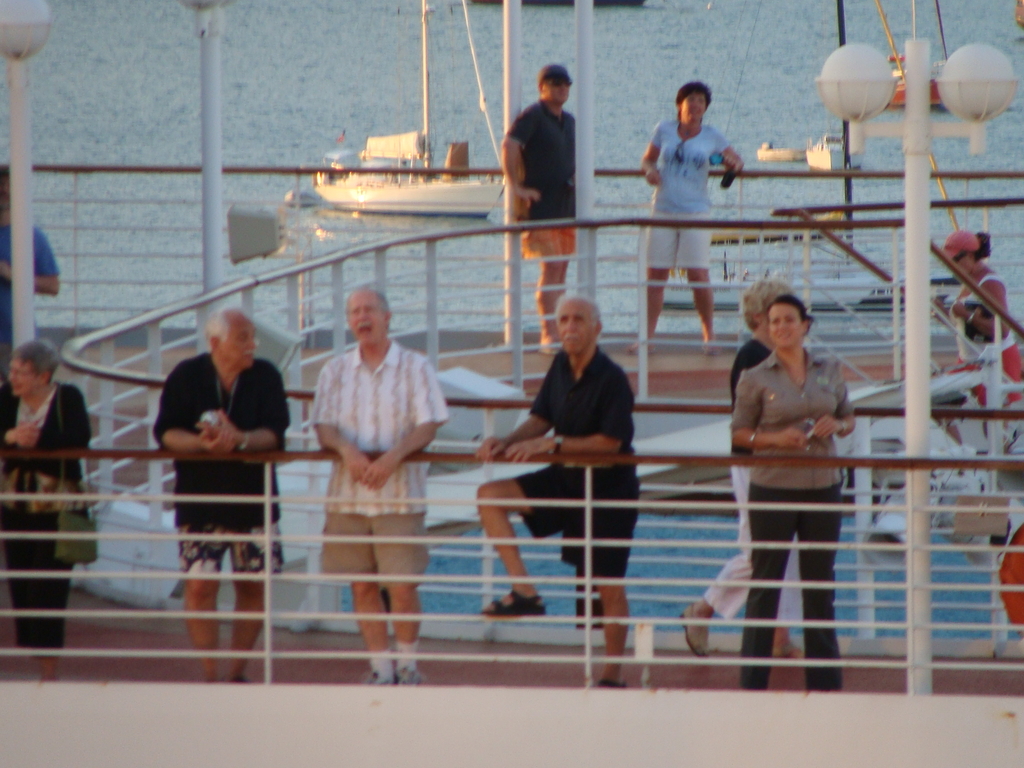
(559,439)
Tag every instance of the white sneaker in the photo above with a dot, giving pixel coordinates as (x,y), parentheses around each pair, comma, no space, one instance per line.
(376,678)
(407,676)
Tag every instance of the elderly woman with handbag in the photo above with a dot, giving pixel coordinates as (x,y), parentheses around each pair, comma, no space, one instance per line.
(37,413)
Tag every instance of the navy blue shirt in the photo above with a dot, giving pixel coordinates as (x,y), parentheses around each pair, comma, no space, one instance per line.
(750,354)
(549,159)
(258,401)
(45,265)
(600,402)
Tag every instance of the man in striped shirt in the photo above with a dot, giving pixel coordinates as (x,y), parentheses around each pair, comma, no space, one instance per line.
(378,398)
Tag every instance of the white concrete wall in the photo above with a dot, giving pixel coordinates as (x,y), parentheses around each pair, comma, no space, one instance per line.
(133,725)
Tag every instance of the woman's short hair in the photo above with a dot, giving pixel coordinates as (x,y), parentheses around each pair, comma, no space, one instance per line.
(40,354)
(793,301)
(758,297)
(694,86)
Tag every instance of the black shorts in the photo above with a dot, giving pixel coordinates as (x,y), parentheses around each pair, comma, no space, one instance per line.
(556,482)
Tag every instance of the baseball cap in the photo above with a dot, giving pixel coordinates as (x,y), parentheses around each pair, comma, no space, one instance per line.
(959,242)
(554,72)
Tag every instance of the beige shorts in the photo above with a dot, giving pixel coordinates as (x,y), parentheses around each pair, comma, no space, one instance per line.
(549,242)
(681,248)
(374,556)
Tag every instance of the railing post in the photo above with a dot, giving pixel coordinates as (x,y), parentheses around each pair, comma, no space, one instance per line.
(487,553)
(588,576)
(74,252)
(155,469)
(294,373)
(862,499)
(642,352)
(514,304)
(106,436)
(248,302)
(268,570)
(380,269)
(897,310)
(586,262)
(994,393)
(808,278)
(918,570)
(430,264)
(339,312)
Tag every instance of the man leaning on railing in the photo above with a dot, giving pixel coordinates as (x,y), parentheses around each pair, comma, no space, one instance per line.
(222,402)
(587,399)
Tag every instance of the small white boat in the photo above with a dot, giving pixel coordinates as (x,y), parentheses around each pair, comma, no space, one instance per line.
(768,153)
(826,154)
(395,191)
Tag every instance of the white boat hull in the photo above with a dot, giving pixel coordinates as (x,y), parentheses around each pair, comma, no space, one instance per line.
(769,154)
(827,155)
(410,195)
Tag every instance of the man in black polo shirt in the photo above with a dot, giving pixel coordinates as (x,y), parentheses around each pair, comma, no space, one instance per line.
(587,400)
(225,401)
(538,156)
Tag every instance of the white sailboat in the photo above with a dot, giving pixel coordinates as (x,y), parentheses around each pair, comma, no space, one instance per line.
(393,190)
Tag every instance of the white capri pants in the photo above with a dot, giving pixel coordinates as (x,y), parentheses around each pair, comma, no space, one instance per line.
(682,248)
(727,600)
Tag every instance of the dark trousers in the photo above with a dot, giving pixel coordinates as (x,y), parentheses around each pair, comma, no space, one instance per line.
(815,565)
(35,594)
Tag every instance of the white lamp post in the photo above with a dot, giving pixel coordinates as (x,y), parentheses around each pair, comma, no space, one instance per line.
(977,84)
(24,27)
(209,28)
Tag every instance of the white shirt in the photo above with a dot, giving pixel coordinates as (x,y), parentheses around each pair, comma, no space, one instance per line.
(684,167)
(374,410)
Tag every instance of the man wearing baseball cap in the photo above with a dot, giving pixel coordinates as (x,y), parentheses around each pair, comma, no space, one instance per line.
(538,156)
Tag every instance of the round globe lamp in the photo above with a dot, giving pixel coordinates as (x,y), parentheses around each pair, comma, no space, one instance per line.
(977,83)
(24,27)
(856,83)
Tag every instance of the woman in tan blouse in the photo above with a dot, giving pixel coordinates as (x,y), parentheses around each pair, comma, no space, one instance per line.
(793,402)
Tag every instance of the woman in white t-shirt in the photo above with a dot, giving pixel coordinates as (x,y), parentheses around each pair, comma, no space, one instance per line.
(676,162)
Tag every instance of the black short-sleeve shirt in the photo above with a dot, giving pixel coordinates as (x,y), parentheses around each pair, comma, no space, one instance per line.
(549,157)
(750,354)
(601,402)
(258,401)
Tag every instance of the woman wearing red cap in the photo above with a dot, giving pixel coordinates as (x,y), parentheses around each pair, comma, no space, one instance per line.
(971,252)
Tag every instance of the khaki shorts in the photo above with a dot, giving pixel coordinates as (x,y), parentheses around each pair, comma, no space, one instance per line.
(549,242)
(375,556)
(682,248)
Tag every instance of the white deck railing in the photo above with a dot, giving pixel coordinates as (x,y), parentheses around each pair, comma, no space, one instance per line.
(677,550)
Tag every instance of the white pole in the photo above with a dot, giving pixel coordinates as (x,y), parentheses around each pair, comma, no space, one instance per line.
(586,248)
(22,252)
(209,27)
(916,148)
(512,19)
(425,66)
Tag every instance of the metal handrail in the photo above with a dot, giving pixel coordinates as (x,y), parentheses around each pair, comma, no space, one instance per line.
(748,173)
(796,459)
(72,350)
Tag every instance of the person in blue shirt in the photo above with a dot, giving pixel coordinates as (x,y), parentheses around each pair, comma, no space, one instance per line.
(676,164)
(47,275)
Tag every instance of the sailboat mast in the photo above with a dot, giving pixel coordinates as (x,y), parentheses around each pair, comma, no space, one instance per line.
(425,66)
(848,181)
